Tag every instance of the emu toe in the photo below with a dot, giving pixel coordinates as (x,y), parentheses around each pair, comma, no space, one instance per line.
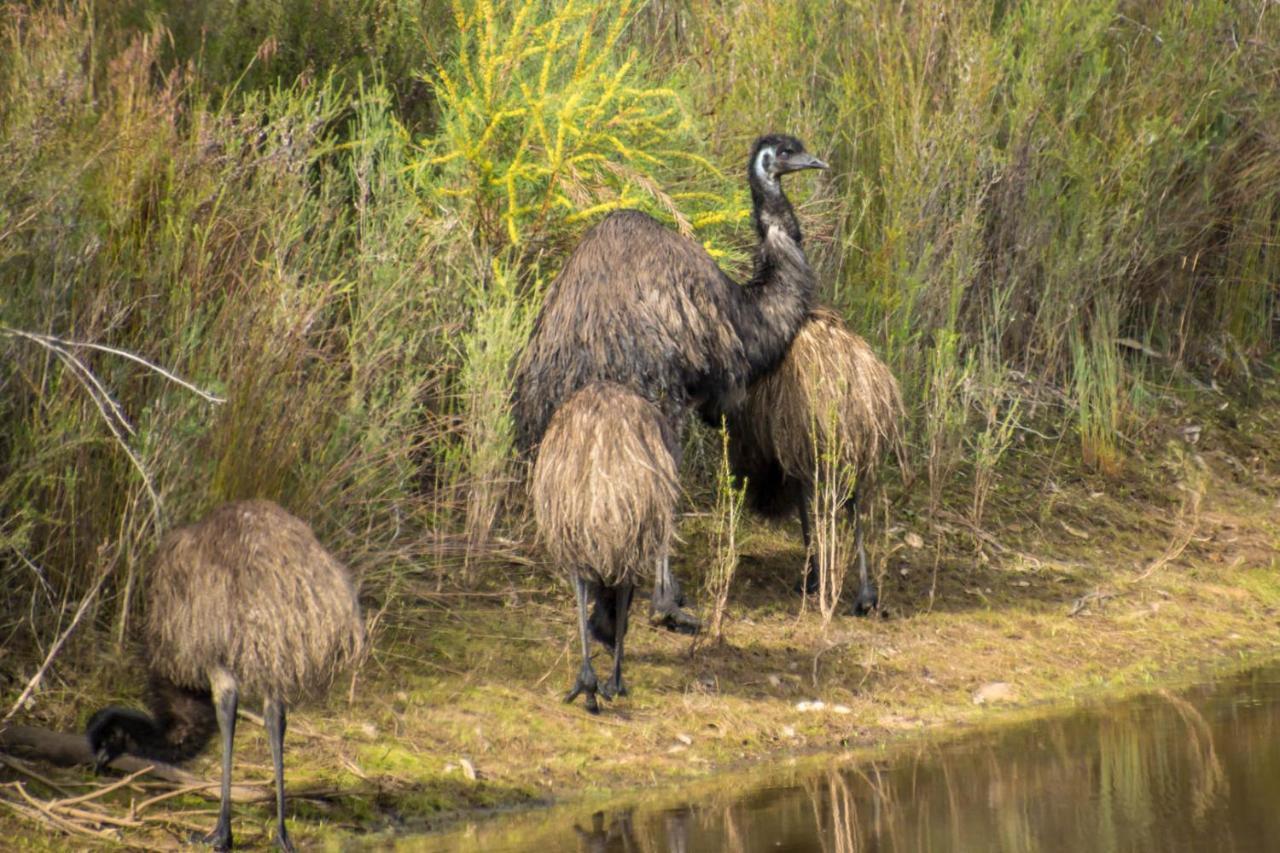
(588,688)
(866,602)
(675,620)
(219,839)
(612,688)
(810,584)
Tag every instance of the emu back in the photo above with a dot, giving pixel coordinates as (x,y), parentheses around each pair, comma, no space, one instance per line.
(631,306)
(249,589)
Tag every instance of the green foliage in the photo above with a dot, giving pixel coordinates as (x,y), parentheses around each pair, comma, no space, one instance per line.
(339,216)
(546,124)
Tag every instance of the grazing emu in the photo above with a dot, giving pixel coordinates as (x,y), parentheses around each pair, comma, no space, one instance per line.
(604,493)
(830,394)
(245,600)
(648,308)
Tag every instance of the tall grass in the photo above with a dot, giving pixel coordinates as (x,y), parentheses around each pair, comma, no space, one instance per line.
(341,220)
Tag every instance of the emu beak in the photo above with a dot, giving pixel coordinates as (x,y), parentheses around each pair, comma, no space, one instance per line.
(804,160)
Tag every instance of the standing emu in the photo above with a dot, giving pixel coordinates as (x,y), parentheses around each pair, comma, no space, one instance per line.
(830,394)
(643,306)
(604,493)
(245,600)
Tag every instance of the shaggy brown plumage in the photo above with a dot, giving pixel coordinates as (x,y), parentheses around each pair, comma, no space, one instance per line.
(829,394)
(604,491)
(604,485)
(250,590)
(245,600)
(827,369)
(648,308)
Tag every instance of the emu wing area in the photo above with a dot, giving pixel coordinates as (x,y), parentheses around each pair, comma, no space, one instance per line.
(637,304)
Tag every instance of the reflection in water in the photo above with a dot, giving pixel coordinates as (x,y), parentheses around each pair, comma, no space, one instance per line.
(1195,771)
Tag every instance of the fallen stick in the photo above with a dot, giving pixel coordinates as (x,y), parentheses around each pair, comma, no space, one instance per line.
(70,750)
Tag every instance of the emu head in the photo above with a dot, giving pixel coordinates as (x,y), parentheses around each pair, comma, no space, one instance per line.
(111,733)
(775,155)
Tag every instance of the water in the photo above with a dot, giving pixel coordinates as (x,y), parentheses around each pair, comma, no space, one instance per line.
(1194,770)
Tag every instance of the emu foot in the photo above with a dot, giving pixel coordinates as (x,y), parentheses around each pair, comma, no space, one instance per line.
(587,687)
(811,583)
(867,601)
(219,839)
(675,620)
(613,687)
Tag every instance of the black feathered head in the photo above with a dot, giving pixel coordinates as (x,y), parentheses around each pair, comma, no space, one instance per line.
(776,154)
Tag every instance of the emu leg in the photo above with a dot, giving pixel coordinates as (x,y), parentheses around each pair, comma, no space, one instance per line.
(868,598)
(811,582)
(622,607)
(273,716)
(665,609)
(225,696)
(586,682)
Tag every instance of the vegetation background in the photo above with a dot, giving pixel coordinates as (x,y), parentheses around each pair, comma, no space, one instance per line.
(335,219)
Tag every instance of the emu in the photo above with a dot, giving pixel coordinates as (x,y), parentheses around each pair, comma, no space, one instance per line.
(604,490)
(643,306)
(830,394)
(244,601)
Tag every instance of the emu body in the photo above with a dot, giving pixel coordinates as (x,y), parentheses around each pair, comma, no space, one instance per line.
(604,490)
(646,307)
(829,396)
(243,602)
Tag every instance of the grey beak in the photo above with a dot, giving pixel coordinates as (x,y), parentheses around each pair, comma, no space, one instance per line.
(804,161)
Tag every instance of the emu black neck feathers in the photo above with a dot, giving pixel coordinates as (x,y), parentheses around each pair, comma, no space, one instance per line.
(183,723)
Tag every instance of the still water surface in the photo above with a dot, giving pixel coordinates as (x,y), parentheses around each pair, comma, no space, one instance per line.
(1194,770)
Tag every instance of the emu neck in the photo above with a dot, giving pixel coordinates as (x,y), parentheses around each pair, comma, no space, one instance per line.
(770,208)
(780,294)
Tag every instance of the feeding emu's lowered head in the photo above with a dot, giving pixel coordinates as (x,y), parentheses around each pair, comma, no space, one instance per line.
(646,307)
(831,397)
(245,600)
(604,491)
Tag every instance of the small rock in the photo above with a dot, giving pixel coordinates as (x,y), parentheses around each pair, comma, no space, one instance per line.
(841,709)
(914,541)
(994,692)
(679,747)
(685,739)
(788,731)
(468,769)
(815,705)
(369,730)
(775,680)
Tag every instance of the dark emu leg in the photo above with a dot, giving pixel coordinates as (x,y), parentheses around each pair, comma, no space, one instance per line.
(225,697)
(868,599)
(586,682)
(622,607)
(274,717)
(811,583)
(666,608)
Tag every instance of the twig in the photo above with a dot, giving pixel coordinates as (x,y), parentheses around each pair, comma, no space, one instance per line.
(104,790)
(48,340)
(21,767)
(57,646)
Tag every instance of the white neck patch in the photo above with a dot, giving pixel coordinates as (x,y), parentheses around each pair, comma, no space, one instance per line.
(764,167)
